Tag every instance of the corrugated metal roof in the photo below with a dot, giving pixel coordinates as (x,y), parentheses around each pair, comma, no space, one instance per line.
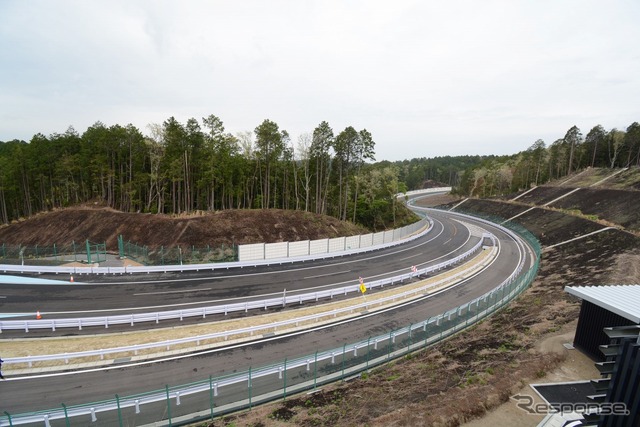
(623,300)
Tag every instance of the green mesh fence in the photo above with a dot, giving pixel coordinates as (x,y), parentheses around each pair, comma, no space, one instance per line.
(216,396)
(177,255)
(85,252)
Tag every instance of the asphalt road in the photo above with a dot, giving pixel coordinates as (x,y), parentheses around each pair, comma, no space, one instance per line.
(42,392)
(110,295)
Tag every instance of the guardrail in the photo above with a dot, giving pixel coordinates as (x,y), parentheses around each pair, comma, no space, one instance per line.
(213,397)
(425,191)
(252,330)
(36,269)
(132,319)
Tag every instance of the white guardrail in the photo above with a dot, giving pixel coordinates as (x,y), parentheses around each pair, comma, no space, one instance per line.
(156,317)
(412,233)
(273,326)
(495,297)
(261,254)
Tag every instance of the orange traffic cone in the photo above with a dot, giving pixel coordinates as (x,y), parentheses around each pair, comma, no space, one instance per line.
(71,280)
(38,316)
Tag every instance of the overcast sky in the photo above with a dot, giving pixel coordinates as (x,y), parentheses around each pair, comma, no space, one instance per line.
(426,78)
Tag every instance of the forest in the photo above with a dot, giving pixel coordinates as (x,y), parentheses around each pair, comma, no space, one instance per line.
(541,163)
(180,168)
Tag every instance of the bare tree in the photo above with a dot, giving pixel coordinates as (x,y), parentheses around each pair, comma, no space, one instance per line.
(304,156)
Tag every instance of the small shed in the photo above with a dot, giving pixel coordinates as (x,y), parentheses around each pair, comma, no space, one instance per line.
(603,307)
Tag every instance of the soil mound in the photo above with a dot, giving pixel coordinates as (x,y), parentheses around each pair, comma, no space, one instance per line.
(99,224)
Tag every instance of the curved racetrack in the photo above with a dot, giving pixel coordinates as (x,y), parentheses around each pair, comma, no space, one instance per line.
(448,238)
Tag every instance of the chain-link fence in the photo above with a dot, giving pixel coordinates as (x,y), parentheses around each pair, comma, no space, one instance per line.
(215,396)
(84,252)
(176,255)
(89,252)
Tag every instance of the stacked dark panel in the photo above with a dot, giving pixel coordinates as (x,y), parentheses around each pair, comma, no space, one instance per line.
(589,332)
(624,386)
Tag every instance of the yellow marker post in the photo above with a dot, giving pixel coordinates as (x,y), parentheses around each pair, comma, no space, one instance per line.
(363,288)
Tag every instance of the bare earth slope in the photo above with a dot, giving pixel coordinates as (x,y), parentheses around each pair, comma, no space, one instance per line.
(476,371)
(221,227)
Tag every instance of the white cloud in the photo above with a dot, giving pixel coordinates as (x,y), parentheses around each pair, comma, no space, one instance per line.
(426,78)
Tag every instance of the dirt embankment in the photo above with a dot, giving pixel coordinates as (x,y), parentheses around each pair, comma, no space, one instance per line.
(477,370)
(216,228)
(470,374)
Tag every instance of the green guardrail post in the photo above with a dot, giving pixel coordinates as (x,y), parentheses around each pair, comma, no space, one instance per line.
(121,246)
(250,388)
(368,351)
(409,346)
(211,404)
(75,257)
(66,415)
(284,395)
(166,387)
(344,349)
(119,410)
(9,418)
(88,252)
(426,331)
(315,371)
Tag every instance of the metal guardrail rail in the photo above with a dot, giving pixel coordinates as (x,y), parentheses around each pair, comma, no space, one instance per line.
(37,269)
(404,234)
(253,329)
(216,396)
(132,319)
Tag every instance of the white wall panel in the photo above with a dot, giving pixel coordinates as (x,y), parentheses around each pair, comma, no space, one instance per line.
(251,252)
(299,248)
(275,250)
(318,246)
(336,244)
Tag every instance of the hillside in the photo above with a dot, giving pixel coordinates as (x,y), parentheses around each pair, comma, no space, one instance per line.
(475,372)
(99,224)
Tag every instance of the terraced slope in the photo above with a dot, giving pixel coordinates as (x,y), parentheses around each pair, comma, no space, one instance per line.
(476,371)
